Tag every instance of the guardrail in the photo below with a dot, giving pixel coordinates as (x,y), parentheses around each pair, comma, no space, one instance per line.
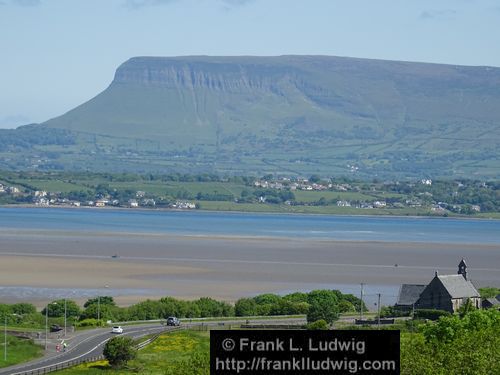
(209,319)
(60,366)
(155,336)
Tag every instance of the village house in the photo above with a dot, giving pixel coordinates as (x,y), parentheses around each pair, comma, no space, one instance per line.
(100,203)
(184,205)
(148,202)
(13,190)
(343,204)
(42,201)
(491,303)
(379,204)
(426,182)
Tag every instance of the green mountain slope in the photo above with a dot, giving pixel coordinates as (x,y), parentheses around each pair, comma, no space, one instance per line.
(287,114)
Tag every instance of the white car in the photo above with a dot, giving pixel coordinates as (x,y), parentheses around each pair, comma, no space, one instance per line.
(117,329)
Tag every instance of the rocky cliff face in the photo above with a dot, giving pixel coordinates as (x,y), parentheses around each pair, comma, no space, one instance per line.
(206,73)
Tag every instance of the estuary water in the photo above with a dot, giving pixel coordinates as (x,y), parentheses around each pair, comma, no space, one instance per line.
(200,223)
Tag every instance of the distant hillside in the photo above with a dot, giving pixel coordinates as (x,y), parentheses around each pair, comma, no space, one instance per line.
(294,115)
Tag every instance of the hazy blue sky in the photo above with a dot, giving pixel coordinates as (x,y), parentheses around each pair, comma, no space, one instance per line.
(56,54)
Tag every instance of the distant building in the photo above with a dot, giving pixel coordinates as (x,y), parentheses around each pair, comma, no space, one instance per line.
(379,204)
(184,205)
(491,303)
(426,182)
(42,202)
(148,202)
(343,204)
(449,292)
(13,190)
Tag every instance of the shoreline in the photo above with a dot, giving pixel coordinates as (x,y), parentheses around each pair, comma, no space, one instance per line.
(201,210)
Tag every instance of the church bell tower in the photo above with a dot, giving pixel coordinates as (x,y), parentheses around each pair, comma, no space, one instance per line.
(462,269)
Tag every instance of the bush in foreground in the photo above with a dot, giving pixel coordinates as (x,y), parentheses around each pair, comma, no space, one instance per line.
(119,350)
(318,325)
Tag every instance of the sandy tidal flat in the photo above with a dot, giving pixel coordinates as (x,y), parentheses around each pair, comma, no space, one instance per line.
(80,265)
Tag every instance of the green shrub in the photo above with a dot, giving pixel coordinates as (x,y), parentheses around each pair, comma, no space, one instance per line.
(119,350)
(430,314)
(318,325)
(90,323)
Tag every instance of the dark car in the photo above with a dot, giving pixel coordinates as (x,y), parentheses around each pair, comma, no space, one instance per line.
(173,321)
(55,328)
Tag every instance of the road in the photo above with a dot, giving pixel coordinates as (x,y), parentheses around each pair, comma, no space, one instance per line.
(90,344)
(86,344)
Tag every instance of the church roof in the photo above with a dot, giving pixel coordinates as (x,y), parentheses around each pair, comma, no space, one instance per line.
(409,294)
(457,286)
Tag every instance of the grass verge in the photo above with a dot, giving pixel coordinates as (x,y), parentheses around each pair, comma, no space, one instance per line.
(18,350)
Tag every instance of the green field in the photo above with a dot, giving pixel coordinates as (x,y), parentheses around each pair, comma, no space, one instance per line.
(18,350)
(313,196)
(326,210)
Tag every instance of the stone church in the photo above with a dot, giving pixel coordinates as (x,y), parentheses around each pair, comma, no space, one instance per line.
(444,292)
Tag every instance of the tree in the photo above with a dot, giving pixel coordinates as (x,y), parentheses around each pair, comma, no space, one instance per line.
(23,308)
(56,309)
(105,312)
(265,299)
(296,297)
(315,178)
(210,307)
(119,350)
(102,300)
(323,305)
(489,292)
(245,307)
(454,345)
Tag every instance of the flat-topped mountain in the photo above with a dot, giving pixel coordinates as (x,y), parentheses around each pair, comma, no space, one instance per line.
(286,114)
